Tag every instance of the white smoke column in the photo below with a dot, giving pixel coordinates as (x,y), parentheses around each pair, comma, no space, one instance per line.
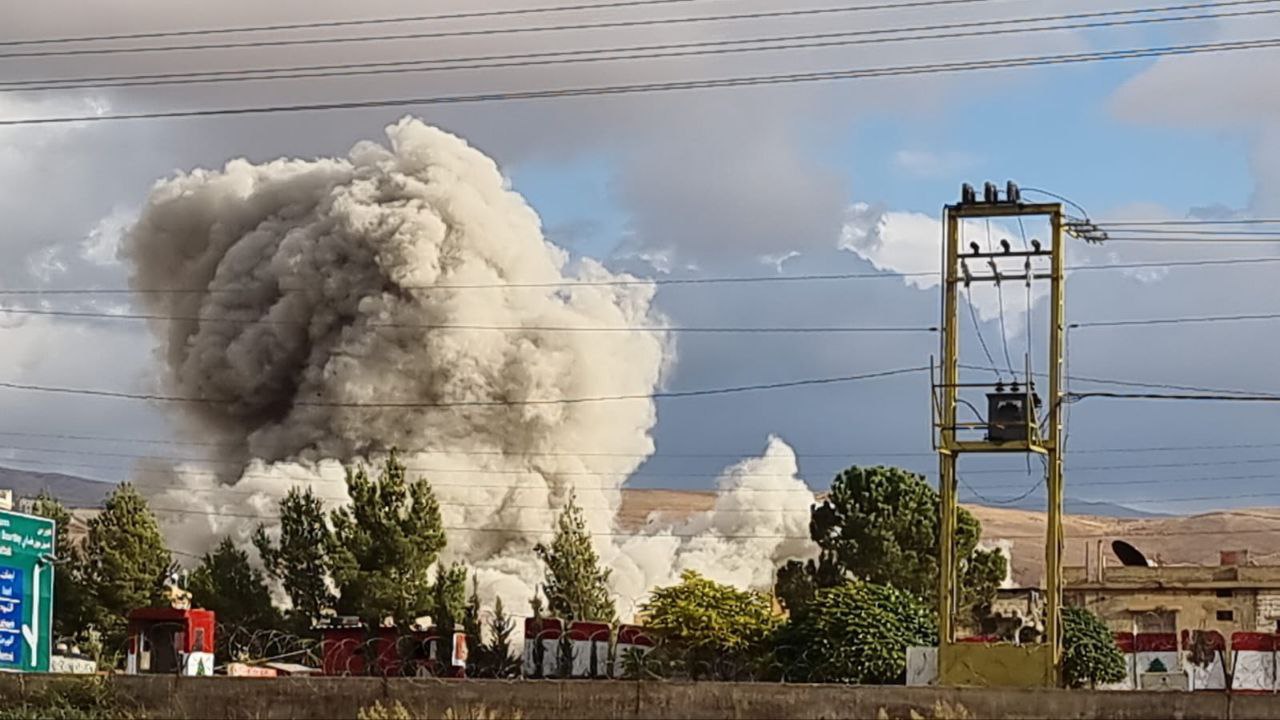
(342,276)
(338,270)
(760,520)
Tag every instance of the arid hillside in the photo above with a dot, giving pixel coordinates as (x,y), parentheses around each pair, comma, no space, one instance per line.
(1176,540)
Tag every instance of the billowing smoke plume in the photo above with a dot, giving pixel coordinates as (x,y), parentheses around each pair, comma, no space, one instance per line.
(404,296)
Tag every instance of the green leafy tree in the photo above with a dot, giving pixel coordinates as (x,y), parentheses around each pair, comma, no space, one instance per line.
(226,583)
(856,632)
(577,587)
(70,610)
(300,559)
(1090,655)
(881,525)
(125,562)
(384,544)
(708,629)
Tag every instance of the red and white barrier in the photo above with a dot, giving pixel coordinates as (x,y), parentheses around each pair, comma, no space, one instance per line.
(1149,647)
(542,638)
(1253,662)
(631,639)
(590,648)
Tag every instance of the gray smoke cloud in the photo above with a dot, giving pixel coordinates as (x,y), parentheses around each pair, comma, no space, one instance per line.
(306,290)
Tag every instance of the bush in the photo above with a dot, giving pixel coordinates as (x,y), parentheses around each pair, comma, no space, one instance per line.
(78,699)
(709,630)
(857,632)
(1089,652)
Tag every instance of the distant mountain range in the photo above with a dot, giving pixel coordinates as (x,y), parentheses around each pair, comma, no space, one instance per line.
(78,492)
(72,490)
(1071,507)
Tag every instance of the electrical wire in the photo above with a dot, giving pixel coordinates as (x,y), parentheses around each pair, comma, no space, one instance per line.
(740,81)
(1174,396)
(665,282)
(807,41)
(486,32)
(842,462)
(324,24)
(1236,221)
(1176,320)
(642,455)
(1004,335)
(1196,239)
(473,327)
(1130,383)
(661,395)
(977,328)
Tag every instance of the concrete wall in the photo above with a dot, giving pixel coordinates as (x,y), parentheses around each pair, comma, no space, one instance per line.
(221,697)
(1195,609)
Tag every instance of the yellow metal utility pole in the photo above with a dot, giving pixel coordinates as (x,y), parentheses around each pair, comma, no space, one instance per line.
(1011,425)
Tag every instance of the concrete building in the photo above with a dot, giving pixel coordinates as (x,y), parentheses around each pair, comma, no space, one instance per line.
(1233,596)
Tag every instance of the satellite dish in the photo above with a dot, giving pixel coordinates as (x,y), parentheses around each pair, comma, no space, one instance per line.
(1129,555)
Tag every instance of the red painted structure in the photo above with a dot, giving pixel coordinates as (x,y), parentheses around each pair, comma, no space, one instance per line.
(350,649)
(170,641)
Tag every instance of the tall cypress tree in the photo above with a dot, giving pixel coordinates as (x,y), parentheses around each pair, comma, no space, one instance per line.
(384,544)
(577,588)
(233,589)
(300,560)
(125,562)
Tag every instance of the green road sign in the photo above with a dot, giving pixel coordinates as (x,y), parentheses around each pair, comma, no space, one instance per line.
(26,591)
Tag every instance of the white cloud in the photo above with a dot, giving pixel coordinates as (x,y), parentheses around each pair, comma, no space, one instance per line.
(103,241)
(911,243)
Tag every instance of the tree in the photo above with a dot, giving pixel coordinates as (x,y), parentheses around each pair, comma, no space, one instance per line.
(1089,652)
(713,630)
(856,632)
(471,624)
(384,544)
(577,588)
(447,597)
(880,525)
(300,560)
(125,562)
(70,611)
(234,590)
(500,658)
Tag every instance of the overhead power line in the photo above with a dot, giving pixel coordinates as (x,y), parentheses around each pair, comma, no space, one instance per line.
(679,85)
(659,281)
(1233,221)
(773,43)
(469,15)
(1119,533)
(1176,320)
(1128,383)
(513,30)
(846,458)
(661,395)
(1206,238)
(746,329)
(1202,233)
(656,455)
(514,285)
(1207,397)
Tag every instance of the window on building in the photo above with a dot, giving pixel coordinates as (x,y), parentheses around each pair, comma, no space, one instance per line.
(1223,593)
(1226,615)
